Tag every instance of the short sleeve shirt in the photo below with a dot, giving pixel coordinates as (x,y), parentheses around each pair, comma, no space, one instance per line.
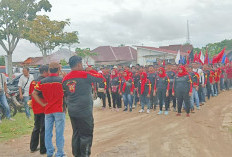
(23,82)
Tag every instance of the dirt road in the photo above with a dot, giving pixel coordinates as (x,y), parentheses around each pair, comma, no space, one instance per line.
(119,134)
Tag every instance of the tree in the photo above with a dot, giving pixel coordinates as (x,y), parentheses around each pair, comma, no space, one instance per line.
(47,34)
(2,61)
(63,62)
(13,15)
(69,39)
(85,53)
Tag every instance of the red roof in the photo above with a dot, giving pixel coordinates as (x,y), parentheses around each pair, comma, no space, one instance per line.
(109,54)
(162,50)
(182,48)
(32,60)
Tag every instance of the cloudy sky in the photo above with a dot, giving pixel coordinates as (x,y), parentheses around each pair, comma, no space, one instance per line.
(139,22)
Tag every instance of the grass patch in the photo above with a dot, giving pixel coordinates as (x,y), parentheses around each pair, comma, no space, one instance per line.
(14,129)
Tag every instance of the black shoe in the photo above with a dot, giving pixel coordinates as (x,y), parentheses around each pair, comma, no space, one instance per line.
(33,151)
(130,109)
(125,110)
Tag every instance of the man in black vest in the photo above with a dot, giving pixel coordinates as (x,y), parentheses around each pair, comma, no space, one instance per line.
(78,94)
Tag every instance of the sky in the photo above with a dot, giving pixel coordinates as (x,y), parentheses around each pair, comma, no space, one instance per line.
(139,22)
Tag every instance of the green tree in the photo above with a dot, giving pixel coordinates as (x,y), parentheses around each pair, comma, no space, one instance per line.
(63,62)
(13,15)
(69,39)
(46,34)
(85,53)
(2,61)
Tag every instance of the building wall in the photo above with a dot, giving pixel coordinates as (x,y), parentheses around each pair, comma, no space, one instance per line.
(147,55)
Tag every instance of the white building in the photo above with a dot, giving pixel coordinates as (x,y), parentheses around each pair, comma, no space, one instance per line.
(149,55)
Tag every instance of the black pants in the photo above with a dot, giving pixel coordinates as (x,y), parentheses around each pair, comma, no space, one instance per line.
(82,137)
(171,98)
(38,133)
(119,101)
(116,101)
(108,97)
(161,94)
(102,96)
(153,100)
(200,94)
(208,87)
(183,97)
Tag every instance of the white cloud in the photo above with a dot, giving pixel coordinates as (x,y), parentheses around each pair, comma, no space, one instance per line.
(136,22)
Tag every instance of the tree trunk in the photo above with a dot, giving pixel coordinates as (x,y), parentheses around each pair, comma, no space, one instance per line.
(10,65)
(45,58)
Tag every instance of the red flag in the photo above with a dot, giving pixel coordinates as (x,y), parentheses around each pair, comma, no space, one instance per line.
(218,58)
(206,57)
(195,58)
(227,61)
(187,60)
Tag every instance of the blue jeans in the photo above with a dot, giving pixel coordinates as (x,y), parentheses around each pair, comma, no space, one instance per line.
(59,119)
(4,103)
(145,101)
(222,84)
(27,109)
(194,97)
(127,99)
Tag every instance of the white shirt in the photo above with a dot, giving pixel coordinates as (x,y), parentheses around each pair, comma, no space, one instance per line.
(22,83)
(2,81)
(201,74)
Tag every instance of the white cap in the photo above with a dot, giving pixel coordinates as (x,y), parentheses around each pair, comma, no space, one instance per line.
(115,67)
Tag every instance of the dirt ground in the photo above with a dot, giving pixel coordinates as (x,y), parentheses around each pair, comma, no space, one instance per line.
(118,134)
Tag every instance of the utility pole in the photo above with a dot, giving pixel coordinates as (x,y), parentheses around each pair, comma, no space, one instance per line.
(188,34)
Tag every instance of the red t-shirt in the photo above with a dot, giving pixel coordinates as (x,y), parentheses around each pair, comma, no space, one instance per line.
(52,90)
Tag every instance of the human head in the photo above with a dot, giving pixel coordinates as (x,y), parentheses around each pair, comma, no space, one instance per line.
(43,70)
(75,63)
(54,68)
(150,68)
(26,71)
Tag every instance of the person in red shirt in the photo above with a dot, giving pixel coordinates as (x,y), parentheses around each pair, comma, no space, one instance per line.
(52,91)
(38,133)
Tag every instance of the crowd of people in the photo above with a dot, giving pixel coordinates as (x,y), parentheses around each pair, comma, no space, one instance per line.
(186,86)
(119,87)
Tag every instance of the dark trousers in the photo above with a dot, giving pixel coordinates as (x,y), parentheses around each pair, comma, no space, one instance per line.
(108,97)
(38,133)
(153,100)
(82,137)
(136,98)
(171,98)
(183,97)
(102,96)
(208,88)
(200,94)
(115,98)
(217,87)
(161,94)
(119,101)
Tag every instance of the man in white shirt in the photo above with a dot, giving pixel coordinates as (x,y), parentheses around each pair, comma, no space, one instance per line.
(201,94)
(3,94)
(24,85)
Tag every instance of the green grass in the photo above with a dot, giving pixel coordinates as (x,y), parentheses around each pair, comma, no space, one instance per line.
(14,129)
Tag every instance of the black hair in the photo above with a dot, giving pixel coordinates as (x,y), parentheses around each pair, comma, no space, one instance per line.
(43,68)
(74,60)
(53,70)
(26,68)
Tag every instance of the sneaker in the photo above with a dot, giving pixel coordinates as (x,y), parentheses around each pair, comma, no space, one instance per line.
(125,110)
(178,114)
(11,119)
(187,115)
(141,111)
(160,112)
(166,113)
(198,108)
(130,109)
(148,111)
(33,151)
